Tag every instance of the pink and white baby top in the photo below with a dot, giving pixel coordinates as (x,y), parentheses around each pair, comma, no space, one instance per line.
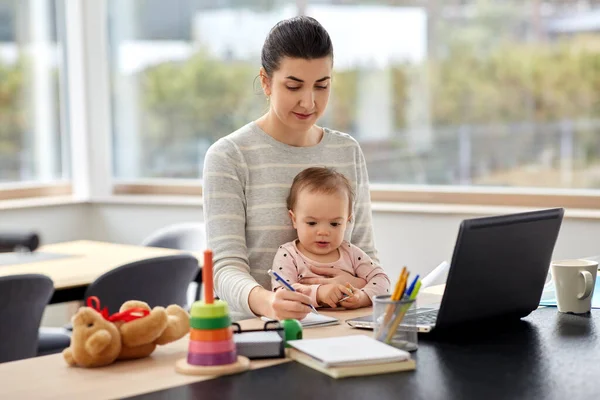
(292,265)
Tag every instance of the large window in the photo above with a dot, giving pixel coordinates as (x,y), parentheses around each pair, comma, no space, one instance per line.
(463,92)
(33,140)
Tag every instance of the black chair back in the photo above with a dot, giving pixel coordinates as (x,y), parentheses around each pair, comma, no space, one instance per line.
(23,299)
(159,281)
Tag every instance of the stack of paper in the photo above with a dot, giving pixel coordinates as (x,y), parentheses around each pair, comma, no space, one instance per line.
(355,355)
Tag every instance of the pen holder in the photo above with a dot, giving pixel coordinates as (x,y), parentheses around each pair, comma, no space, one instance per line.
(395,322)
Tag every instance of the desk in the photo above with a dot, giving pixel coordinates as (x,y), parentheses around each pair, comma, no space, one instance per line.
(88,260)
(53,379)
(546,356)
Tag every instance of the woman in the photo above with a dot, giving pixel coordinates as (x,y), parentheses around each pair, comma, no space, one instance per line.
(247,175)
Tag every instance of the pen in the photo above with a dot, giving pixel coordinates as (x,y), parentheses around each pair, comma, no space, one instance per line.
(402,313)
(286,285)
(411,287)
(351,289)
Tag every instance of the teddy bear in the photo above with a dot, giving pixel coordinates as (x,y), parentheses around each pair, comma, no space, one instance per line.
(140,337)
(95,342)
(133,332)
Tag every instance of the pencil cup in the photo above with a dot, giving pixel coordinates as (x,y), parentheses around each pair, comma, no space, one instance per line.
(395,322)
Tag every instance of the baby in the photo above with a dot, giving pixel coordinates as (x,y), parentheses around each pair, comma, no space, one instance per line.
(320,206)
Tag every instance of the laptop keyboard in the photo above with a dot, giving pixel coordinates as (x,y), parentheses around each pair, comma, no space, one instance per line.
(427,318)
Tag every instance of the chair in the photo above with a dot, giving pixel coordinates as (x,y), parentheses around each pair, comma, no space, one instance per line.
(158,281)
(184,236)
(23,299)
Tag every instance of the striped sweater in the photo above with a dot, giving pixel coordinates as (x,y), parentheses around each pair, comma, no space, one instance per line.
(246,180)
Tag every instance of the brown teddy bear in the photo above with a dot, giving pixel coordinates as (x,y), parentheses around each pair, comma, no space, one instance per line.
(140,337)
(95,341)
(133,332)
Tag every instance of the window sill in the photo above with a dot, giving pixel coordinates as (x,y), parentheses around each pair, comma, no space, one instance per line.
(465,210)
(468,210)
(35,202)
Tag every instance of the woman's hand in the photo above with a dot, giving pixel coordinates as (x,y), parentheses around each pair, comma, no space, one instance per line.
(331,276)
(331,294)
(286,304)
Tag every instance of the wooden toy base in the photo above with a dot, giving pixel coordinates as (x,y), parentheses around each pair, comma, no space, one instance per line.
(242,364)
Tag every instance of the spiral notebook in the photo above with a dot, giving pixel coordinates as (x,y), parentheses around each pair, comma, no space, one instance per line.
(354,355)
(313,320)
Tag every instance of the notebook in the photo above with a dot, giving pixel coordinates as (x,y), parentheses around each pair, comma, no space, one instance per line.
(313,320)
(354,355)
(549,295)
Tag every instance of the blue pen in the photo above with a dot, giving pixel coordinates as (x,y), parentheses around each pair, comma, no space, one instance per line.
(411,287)
(286,285)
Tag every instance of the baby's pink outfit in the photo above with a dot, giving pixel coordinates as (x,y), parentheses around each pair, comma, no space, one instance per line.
(292,265)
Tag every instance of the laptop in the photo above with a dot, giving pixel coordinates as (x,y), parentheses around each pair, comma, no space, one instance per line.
(498,270)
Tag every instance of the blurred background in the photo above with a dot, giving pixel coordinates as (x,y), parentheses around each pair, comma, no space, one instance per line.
(462,107)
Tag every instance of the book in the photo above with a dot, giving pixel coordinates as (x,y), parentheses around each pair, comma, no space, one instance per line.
(549,295)
(313,320)
(346,356)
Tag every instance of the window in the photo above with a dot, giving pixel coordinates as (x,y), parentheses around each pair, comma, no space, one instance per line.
(33,132)
(452,93)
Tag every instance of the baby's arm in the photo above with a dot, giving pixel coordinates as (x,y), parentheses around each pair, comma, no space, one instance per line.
(378,283)
(286,266)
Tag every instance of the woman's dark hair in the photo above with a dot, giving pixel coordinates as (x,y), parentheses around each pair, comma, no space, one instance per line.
(298,37)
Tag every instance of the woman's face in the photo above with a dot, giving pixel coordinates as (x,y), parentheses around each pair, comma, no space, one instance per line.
(299,91)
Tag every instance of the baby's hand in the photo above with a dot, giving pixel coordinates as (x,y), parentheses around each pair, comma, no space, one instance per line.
(331,294)
(357,300)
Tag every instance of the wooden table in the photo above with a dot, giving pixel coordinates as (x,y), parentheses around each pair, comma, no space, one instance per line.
(53,379)
(49,377)
(86,261)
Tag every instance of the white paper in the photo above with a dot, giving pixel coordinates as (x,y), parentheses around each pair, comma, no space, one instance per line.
(435,274)
(314,320)
(349,350)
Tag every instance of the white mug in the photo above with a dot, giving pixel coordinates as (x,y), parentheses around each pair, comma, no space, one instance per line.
(574,281)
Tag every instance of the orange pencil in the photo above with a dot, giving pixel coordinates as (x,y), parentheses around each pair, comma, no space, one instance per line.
(207,277)
(389,311)
(397,286)
(402,286)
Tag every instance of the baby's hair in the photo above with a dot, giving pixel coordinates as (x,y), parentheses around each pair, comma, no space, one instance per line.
(320,180)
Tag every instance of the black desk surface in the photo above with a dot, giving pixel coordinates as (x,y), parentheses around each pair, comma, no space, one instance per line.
(545,356)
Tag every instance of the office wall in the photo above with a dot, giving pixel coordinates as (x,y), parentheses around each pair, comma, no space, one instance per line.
(54,223)
(419,240)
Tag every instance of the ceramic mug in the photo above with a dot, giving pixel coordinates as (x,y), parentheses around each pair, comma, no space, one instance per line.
(574,281)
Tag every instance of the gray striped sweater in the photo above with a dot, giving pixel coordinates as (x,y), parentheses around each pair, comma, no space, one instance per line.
(247,177)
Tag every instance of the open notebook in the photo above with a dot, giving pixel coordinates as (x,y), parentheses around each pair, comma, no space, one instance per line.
(350,356)
(313,320)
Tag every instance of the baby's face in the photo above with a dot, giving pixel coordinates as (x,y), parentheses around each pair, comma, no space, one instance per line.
(321,220)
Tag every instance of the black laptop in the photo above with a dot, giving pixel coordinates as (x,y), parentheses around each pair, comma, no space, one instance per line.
(498,270)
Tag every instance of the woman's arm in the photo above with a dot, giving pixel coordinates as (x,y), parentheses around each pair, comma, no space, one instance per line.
(224,178)
(225,174)
(362,232)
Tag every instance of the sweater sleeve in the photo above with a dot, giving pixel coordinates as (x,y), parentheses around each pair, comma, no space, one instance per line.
(362,233)
(378,283)
(224,177)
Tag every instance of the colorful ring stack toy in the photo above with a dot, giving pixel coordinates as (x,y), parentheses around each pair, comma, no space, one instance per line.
(211,338)
(211,350)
